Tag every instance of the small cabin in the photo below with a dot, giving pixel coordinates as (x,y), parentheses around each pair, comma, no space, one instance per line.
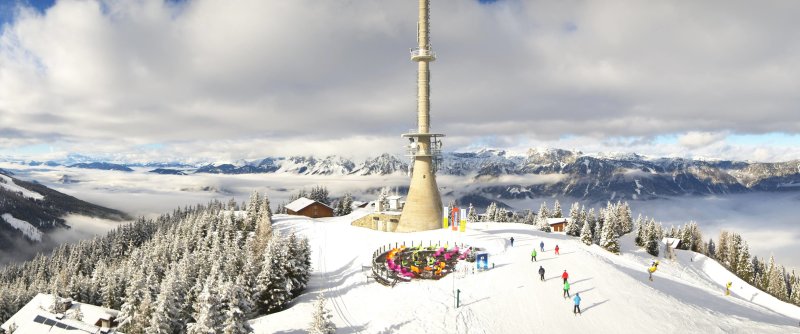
(395,203)
(309,208)
(557,224)
(49,314)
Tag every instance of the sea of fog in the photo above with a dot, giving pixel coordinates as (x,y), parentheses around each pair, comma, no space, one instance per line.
(768,221)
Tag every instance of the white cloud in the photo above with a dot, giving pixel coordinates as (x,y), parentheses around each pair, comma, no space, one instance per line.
(695,139)
(332,76)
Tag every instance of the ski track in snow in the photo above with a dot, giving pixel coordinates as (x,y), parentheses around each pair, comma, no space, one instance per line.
(617,297)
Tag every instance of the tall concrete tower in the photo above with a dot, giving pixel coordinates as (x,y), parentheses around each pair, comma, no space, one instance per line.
(423,208)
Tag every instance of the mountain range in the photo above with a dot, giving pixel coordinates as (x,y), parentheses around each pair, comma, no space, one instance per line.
(538,172)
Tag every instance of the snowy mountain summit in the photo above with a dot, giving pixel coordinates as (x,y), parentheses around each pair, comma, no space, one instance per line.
(687,294)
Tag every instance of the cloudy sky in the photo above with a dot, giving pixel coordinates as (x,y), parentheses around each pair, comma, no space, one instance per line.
(221,79)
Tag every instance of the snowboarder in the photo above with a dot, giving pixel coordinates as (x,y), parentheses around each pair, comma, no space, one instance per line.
(577,308)
(565,276)
(533,255)
(541,273)
(512,241)
(556,249)
(541,246)
(728,288)
(566,290)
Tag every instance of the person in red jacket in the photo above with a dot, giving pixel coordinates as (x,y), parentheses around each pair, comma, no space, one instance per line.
(556,249)
(565,276)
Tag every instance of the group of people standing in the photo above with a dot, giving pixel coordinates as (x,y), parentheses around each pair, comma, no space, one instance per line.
(564,276)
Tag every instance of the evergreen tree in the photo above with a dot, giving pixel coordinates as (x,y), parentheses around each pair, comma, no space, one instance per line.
(744,265)
(557,211)
(472,214)
(166,317)
(776,285)
(543,212)
(207,315)
(734,248)
(609,239)
(586,234)
(530,218)
(651,244)
(320,321)
(273,284)
(346,204)
(795,297)
(238,306)
(502,216)
(722,248)
(711,249)
(491,212)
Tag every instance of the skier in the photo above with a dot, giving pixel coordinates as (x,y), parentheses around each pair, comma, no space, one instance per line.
(566,289)
(541,273)
(556,249)
(728,288)
(512,241)
(651,270)
(533,255)
(565,276)
(541,246)
(577,308)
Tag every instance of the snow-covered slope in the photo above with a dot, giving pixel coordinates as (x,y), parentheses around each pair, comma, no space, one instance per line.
(26,228)
(8,183)
(687,295)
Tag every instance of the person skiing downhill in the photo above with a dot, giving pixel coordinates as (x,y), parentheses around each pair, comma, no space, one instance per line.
(512,241)
(556,249)
(541,246)
(577,308)
(541,273)
(533,255)
(565,276)
(566,289)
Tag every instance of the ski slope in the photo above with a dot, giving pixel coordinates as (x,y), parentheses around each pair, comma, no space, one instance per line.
(686,294)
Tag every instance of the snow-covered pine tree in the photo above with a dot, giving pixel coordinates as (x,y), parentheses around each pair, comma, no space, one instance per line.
(733,252)
(273,284)
(298,263)
(208,316)
(347,204)
(625,218)
(722,248)
(238,306)
(795,297)
(557,211)
(711,249)
(502,216)
(529,218)
(134,295)
(609,239)
(745,266)
(639,240)
(573,227)
(776,285)
(651,238)
(472,214)
(541,221)
(543,211)
(491,212)
(251,214)
(320,320)
(586,234)
(166,317)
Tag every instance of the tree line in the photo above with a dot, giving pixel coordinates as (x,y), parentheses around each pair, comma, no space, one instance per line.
(201,269)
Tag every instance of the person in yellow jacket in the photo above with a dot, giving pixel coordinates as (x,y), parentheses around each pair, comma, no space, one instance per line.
(728,288)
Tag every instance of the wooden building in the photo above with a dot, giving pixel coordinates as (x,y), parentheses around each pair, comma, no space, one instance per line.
(557,224)
(309,208)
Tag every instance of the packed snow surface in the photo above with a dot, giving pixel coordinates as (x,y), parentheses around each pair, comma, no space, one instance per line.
(29,230)
(687,294)
(8,184)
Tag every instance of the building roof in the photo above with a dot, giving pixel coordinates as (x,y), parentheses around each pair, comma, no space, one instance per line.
(553,221)
(301,203)
(393,197)
(34,318)
(671,242)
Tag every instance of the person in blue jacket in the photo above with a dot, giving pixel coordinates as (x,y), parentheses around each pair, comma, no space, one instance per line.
(541,246)
(577,308)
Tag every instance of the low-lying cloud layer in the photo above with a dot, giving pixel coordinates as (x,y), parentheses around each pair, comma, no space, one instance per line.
(253,78)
